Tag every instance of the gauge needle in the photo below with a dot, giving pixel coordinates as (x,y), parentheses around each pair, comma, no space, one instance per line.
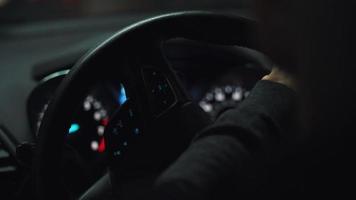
(102,145)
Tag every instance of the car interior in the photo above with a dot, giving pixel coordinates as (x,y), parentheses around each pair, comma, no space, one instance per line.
(95,94)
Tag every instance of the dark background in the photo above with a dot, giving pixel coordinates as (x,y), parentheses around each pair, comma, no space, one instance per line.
(28,10)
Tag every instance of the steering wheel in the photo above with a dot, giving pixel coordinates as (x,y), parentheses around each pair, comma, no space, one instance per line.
(158,120)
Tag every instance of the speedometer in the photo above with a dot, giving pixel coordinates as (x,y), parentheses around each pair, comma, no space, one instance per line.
(221,98)
(94,109)
(85,149)
(89,120)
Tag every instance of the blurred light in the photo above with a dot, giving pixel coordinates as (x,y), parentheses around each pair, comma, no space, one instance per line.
(237,96)
(117,153)
(228,89)
(87,106)
(73,128)
(136,131)
(206,107)
(220,96)
(101,130)
(94,145)
(122,98)
(97,116)
(102,146)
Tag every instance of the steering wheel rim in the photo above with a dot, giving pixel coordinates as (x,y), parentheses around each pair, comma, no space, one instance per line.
(194,25)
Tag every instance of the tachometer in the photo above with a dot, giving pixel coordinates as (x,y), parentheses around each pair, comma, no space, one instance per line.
(222,98)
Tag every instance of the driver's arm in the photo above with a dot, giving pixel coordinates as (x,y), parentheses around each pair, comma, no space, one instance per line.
(232,150)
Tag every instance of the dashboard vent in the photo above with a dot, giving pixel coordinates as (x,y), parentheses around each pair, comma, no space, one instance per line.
(8,174)
(7,164)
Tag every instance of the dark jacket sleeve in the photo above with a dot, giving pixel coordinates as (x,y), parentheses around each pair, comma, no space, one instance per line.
(240,137)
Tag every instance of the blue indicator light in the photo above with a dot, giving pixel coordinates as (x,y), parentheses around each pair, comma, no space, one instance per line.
(122,98)
(73,128)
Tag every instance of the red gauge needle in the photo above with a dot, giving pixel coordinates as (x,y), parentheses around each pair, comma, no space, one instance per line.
(102,145)
(105,121)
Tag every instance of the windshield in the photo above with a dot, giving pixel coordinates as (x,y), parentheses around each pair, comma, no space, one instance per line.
(33,10)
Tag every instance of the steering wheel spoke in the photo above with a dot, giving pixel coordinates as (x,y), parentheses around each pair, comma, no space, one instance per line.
(162,87)
(161,95)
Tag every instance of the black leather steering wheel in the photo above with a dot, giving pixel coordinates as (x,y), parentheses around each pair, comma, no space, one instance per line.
(158,100)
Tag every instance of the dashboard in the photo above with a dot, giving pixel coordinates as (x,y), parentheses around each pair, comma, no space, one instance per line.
(217,78)
(215,92)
